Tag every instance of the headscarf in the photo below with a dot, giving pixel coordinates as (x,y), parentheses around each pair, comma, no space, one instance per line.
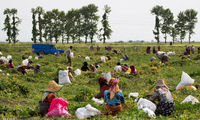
(162,85)
(114,87)
(132,68)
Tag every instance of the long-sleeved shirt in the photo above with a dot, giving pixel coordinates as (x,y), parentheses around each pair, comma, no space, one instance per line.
(162,95)
(117,99)
(68,53)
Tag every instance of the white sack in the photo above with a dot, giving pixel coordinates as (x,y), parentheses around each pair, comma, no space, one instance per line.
(190,98)
(87,58)
(86,112)
(0,70)
(150,112)
(98,101)
(108,76)
(185,80)
(144,103)
(64,77)
(121,60)
(77,72)
(36,58)
(160,52)
(171,53)
(118,68)
(72,54)
(25,62)
(1,53)
(9,57)
(30,57)
(103,59)
(136,94)
(4,59)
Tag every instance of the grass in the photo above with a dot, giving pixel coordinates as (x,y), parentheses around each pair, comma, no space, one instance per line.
(20,94)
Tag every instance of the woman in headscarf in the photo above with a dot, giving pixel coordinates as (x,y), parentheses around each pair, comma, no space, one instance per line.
(113,98)
(166,104)
(93,68)
(103,86)
(133,70)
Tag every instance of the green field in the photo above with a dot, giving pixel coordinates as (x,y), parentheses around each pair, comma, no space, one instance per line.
(20,94)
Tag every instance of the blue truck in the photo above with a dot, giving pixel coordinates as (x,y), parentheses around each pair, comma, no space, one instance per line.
(46,49)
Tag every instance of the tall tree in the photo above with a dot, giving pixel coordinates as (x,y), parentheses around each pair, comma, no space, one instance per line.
(34,29)
(7,25)
(181,25)
(107,31)
(15,22)
(62,20)
(157,11)
(48,26)
(191,20)
(173,33)
(168,20)
(40,13)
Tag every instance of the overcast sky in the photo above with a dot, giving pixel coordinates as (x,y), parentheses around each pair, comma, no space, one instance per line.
(129,19)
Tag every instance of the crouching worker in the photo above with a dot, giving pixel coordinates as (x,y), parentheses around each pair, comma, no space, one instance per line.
(37,69)
(113,98)
(58,106)
(133,70)
(103,86)
(165,106)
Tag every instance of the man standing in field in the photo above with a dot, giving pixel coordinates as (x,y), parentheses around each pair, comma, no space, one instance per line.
(69,56)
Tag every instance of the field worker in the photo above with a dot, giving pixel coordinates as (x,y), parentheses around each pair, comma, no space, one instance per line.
(98,48)
(103,86)
(158,48)
(125,67)
(198,50)
(153,58)
(154,49)
(97,65)
(93,68)
(37,69)
(11,65)
(165,106)
(70,71)
(22,69)
(133,70)
(85,66)
(192,49)
(148,50)
(113,98)
(69,56)
(23,57)
(58,106)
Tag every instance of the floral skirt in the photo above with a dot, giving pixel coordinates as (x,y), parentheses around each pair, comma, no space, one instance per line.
(165,109)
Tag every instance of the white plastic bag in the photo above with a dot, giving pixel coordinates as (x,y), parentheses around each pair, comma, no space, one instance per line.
(25,62)
(1,53)
(108,76)
(98,101)
(185,80)
(171,53)
(36,58)
(87,58)
(64,77)
(136,94)
(30,57)
(150,112)
(4,59)
(9,57)
(121,60)
(86,112)
(160,52)
(190,98)
(118,68)
(144,103)
(0,70)
(103,59)
(77,72)
(72,54)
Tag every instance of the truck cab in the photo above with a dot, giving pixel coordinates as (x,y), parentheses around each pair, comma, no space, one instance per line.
(46,49)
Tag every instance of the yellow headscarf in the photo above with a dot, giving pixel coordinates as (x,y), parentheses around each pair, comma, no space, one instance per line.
(114,87)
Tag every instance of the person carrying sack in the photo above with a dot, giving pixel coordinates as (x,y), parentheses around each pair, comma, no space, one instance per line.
(69,56)
(113,98)
(165,106)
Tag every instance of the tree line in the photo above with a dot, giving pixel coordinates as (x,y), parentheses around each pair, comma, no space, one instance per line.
(55,25)
(166,24)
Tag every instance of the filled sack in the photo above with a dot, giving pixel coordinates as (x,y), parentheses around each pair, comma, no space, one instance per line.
(36,58)
(160,52)
(98,101)
(9,57)
(72,54)
(144,103)
(30,57)
(118,68)
(1,53)
(87,58)
(108,76)
(25,62)
(171,53)
(190,98)
(185,80)
(4,59)
(136,94)
(77,72)
(64,77)
(86,112)
(103,59)
(150,112)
